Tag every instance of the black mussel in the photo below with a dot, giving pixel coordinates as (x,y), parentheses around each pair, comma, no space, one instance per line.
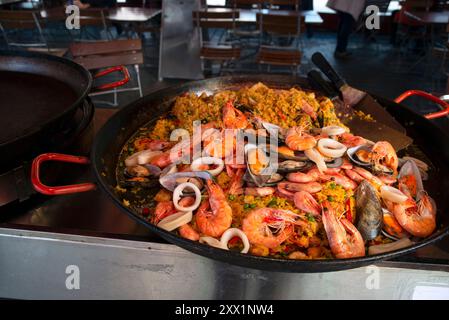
(170,181)
(369,214)
(136,171)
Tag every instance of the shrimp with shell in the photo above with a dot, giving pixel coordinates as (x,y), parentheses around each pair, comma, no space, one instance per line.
(268,227)
(218,219)
(345,240)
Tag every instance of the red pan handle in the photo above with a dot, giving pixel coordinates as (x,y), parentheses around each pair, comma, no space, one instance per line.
(115,84)
(430,97)
(48,190)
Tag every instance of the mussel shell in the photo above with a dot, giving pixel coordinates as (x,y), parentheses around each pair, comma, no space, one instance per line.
(170,181)
(136,171)
(299,156)
(289,166)
(260,179)
(389,236)
(268,181)
(410,168)
(335,163)
(274,180)
(170,169)
(154,170)
(369,212)
(351,152)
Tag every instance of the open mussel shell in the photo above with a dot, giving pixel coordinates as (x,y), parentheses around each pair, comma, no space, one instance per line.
(259,166)
(137,171)
(170,181)
(277,153)
(274,180)
(289,166)
(334,163)
(410,168)
(352,154)
(269,181)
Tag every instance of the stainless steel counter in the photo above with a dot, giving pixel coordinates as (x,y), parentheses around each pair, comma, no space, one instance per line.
(35,265)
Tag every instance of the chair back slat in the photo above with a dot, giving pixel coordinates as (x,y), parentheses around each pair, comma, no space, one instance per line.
(105,47)
(15,19)
(100,61)
(280,24)
(214,19)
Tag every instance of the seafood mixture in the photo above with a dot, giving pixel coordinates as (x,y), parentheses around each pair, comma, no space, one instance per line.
(273,173)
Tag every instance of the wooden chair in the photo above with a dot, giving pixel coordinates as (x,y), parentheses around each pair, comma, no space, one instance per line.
(14,22)
(287,29)
(115,55)
(242,33)
(223,51)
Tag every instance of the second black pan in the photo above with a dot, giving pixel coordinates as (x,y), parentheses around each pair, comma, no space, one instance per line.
(39,93)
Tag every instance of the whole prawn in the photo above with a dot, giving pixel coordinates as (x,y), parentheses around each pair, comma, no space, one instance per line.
(383,156)
(233,118)
(258,225)
(217,220)
(416,217)
(345,240)
(299,140)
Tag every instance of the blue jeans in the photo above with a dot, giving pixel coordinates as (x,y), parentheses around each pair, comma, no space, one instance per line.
(344,30)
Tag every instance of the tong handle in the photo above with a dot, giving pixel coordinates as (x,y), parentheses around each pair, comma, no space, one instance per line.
(321,62)
(318,81)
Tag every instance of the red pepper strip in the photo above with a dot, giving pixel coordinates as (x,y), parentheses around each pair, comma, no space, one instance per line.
(271,219)
(348,210)
(233,240)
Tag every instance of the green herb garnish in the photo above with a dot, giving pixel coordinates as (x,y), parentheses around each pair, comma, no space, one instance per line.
(273,203)
(310,218)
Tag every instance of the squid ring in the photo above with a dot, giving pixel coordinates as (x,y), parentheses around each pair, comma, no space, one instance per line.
(208,160)
(234,232)
(213,243)
(331,148)
(177,193)
(333,130)
(176,220)
(392,194)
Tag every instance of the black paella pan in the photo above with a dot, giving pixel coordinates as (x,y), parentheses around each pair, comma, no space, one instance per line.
(429,140)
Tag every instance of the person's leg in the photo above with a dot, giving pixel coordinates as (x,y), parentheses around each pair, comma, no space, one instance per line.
(345,28)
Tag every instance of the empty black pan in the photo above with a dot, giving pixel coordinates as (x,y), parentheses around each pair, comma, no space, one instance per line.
(39,94)
(428,139)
